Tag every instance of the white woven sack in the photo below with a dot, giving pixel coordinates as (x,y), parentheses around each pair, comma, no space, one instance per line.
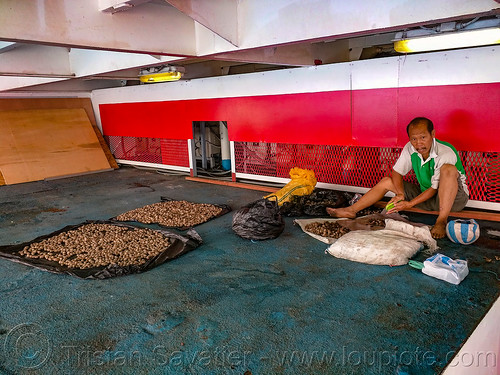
(381,247)
(420,233)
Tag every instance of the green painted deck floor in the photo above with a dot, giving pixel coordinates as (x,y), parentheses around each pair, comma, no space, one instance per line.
(231,306)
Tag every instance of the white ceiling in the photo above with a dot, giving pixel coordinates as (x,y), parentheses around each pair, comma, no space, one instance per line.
(82,45)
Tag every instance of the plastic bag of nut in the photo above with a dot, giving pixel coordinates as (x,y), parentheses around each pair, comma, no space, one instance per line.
(171,213)
(330,229)
(324,230)
(259,220)
(101,249)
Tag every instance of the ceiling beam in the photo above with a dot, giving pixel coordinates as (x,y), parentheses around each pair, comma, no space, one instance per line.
(113,6)
(36,60)
(10,83)
(150,28)
(293,55)
(7,46)
(86,63)
(157,28)
(265,23)
(219,16)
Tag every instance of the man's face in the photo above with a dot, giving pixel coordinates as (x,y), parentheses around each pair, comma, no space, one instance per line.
(421,139)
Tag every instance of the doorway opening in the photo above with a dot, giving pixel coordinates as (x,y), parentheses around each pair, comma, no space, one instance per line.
(211,150)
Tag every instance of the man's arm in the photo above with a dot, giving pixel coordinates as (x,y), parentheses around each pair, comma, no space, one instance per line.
(399,200)
(397,182)
(422,197)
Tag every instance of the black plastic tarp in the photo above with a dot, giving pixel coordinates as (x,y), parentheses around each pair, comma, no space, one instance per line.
(180,244)
(315,204)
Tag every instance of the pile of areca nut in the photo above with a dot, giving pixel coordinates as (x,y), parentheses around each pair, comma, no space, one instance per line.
(330,229)
(111,243)
(172,213)
(96,245)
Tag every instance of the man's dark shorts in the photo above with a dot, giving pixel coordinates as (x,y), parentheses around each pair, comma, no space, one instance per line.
(412,190)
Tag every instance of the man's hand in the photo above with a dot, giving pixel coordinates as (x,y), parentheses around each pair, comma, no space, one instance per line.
(397,198)
(400,206)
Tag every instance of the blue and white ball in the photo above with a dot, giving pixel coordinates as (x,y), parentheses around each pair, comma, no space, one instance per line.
(464,232)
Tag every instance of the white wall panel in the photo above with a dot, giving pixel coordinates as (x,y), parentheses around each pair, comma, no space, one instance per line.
(473,65)
(377,73)
(286,81)
(477,65)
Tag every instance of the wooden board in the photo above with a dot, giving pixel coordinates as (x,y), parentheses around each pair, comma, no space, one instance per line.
(464,214)
(268,189)
(41,143)
(11,104)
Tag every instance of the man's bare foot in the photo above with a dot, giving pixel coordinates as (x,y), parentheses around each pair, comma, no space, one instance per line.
(439,230)
(341,212)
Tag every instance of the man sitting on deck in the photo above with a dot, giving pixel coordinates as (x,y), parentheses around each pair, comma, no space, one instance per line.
(439,171)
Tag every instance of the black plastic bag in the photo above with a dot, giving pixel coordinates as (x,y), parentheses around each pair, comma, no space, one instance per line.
(180,244)
(259,220)
(315,204)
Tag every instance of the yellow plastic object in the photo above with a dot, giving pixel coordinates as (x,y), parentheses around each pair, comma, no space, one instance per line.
(302,183)
(401,46)
(161,77)
(389,206)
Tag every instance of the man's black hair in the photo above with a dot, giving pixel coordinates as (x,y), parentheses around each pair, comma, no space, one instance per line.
(420,120)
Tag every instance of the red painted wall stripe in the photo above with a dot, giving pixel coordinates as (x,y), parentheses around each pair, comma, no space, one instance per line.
(374,117)
(313,118)
(147,119)
(273,118)
(468,116)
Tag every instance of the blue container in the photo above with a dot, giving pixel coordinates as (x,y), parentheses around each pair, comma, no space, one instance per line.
(226,164)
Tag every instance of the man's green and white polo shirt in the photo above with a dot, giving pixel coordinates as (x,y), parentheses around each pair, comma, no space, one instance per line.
(428,171)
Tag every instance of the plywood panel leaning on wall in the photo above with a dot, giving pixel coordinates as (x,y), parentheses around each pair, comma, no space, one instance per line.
(11,104)
(43,143)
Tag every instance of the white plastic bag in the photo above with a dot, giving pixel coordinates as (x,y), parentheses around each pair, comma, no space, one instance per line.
(444,268)
(381,247)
